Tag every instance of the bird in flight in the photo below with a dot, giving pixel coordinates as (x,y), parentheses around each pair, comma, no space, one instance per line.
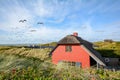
(23,20)
(40,23)
(32,30)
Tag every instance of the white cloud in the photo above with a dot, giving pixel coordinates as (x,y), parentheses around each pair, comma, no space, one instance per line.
(45,34)
(42,10)
(55,9)
(104,7)
(12,18)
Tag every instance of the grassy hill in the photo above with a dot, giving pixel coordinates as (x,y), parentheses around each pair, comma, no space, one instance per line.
(108,49)
(28,52)
(49,44)
(20,63)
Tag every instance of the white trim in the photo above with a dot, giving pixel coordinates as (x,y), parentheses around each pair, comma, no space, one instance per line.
(93,56)
(107,60)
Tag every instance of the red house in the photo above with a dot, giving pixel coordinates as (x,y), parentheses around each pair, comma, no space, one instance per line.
(76,51)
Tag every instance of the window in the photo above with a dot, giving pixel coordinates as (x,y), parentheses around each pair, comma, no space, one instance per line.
(73,63)
(68,48)
(78,64)
(70,63)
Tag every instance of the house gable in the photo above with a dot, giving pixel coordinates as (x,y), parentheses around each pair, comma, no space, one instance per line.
(87,46)
(78,54)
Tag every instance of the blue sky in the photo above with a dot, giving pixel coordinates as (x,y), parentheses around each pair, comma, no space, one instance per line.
(94,20)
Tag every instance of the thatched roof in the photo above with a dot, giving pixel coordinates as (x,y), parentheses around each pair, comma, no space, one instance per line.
(71,39)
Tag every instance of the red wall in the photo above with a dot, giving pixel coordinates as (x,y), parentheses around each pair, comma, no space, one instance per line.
(76,55)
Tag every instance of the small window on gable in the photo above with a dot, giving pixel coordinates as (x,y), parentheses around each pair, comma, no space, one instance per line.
(68,48)
(78,64)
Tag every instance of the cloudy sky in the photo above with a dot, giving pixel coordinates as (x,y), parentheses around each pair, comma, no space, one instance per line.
(51,20)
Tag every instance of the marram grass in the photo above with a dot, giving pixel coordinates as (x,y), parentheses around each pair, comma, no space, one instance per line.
(35,64)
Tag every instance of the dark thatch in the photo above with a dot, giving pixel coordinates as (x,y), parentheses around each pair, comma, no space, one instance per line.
(71,39)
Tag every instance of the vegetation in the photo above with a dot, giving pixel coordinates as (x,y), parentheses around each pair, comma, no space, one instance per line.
(19,63)
(28,52)
(38,70)
(50,44)
(108,49)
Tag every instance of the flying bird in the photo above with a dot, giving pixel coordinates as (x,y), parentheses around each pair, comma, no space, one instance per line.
(20,20)
(40,23)
(32,30)
(23,20)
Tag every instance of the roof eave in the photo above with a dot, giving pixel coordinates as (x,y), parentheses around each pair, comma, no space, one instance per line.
(93,56)
(67,43)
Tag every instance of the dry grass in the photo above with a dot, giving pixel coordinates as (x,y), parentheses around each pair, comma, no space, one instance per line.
(29,64)
(28,52)
(108,49)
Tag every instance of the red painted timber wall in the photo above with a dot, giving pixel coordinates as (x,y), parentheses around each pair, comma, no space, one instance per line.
(78,54)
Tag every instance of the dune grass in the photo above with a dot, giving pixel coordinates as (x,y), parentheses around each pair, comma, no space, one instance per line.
(33,69)
(19,63)
(108,49)
(29,52)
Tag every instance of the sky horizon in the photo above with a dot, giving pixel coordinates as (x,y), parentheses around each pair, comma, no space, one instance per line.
(43,21)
